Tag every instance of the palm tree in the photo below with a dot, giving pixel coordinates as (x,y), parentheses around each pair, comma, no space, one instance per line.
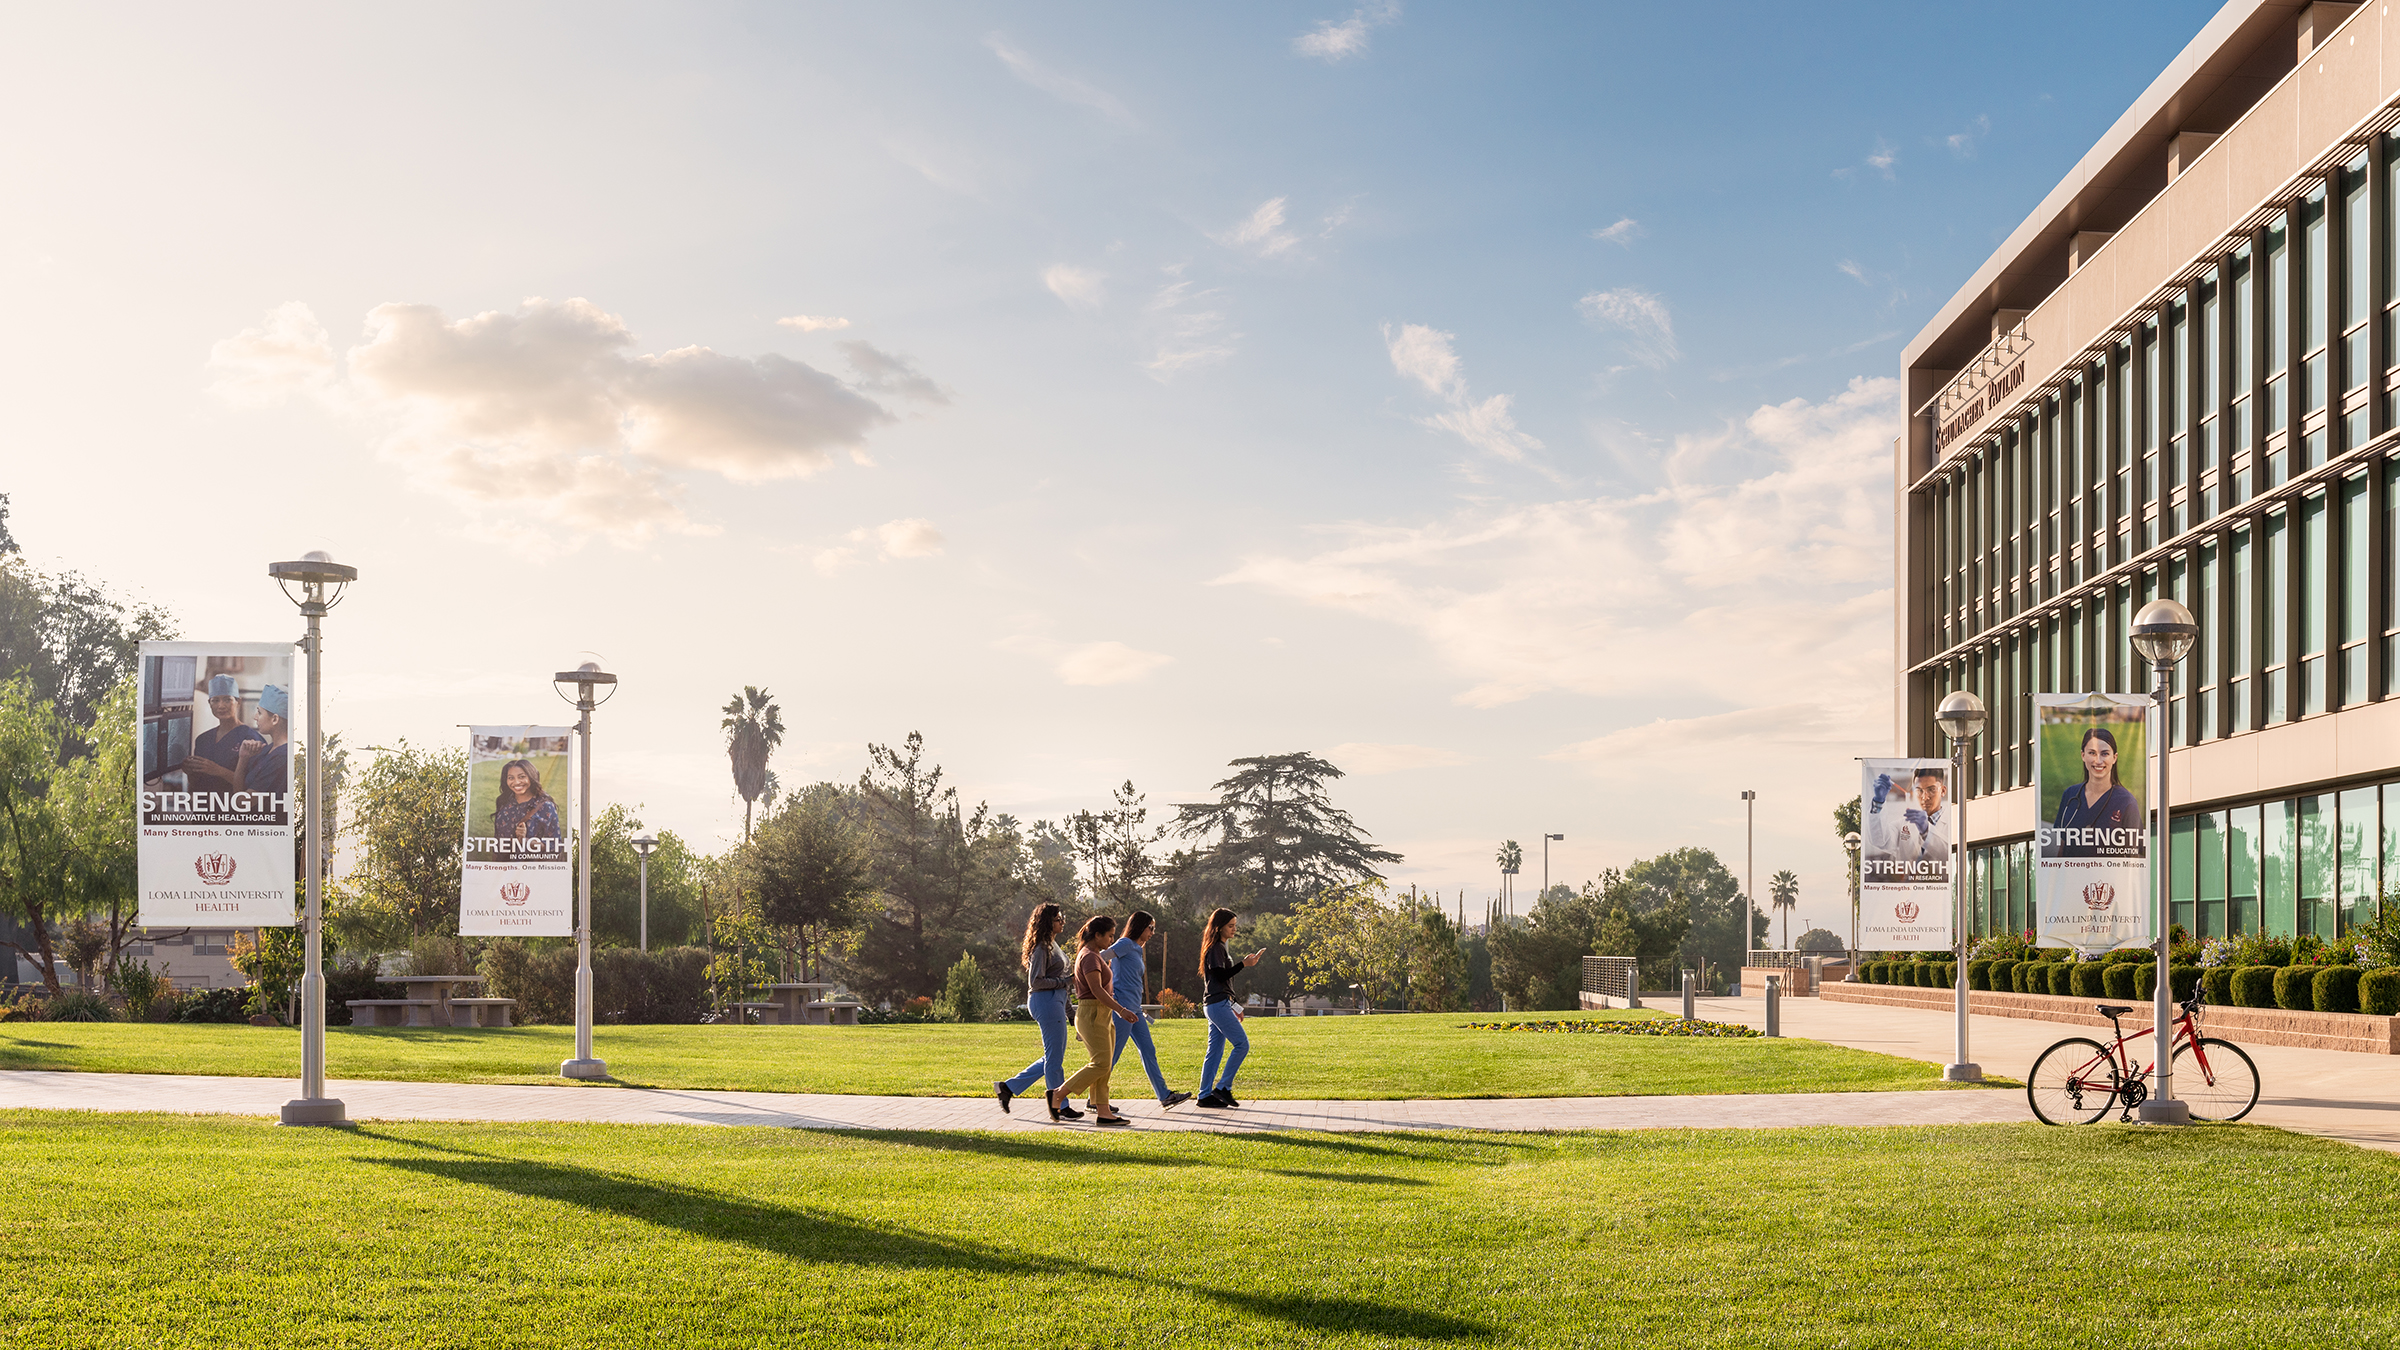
(1510,858)
(1784,889)
(753,727)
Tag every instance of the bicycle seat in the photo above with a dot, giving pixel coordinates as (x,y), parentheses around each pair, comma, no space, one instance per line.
(2112,1014)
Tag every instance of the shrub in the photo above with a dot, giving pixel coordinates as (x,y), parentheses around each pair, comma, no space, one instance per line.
(2145,981)
(2379,992)
(2219,982)
(2126,956)
(2084,980)
(629,985)
(2033,977)
(1876,972)
(2295,988)
(81,1005)
(2117,980)
(2060,978)
(1946,974)
(542,981)
(230,1004)
(2184,981)
(1172,1004)
(921,1005)
(1884,971)
(1979,974)
(2003,974)
(2335,989)
(141,987)
(353,978)
(964,997)
(2254,986)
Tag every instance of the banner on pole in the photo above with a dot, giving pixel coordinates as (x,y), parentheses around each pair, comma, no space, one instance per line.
(2091,842)
(215,816)
(1904,856)
(515,877)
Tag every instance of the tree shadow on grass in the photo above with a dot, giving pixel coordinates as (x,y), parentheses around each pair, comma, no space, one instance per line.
(802,1234)
(1073,1147)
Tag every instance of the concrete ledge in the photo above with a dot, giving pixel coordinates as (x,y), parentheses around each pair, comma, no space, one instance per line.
(1796,983)
(2356,1032)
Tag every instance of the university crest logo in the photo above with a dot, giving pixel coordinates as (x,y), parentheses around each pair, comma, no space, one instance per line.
(214,868)
(515,893)
(2098,896)
(1905,911)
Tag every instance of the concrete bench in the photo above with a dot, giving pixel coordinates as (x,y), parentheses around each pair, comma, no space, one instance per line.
(769,1014)
(839,1014)
(480,1012)
(392,1012)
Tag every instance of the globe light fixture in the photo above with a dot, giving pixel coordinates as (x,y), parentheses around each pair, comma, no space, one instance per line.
(643,846)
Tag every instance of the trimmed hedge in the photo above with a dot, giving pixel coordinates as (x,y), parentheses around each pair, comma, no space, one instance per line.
(1979,973)
(2145,981)
(2254,986)
(2219,980)
(2059,978)
(2295,988)
(2185,980)
(2117,981)
(2003,975)
(2335,989)
(2086,980)
(2379,992)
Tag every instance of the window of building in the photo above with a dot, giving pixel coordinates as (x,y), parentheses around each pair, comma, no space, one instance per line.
(2277,311)
(2358,309)
(2146,404)
(2311,295)
(2208,351)
(2311,602)
(2180,843)
(2210,649)
(2208,910)
(2243,321)
(2361,845)
(2242,637)
(2278,889)
(2275,656)
(2178,394)
(2317,882)
(2351,632)
(2241,870)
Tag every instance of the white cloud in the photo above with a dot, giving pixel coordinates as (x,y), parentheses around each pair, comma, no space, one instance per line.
(1063,87)
(1099,663)
(1185,330)
(1366,757)
(1622,234)
(1641,319)
(545,414)
(1853,271)
(1880,159)
(912,538)
(288,353)
(813,323)
(1424,354)
(885,373)
(832,562)
(1079,287)
(1759,591)
(1962,143)
(1261,232)
(1341,39)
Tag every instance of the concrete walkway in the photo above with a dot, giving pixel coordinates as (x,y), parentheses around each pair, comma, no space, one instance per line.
(53,1090)
(2351,1097)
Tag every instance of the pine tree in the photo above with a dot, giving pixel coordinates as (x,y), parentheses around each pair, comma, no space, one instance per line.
(1274,827)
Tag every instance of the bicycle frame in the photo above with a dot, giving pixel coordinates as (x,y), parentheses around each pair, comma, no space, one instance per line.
(2116,1055)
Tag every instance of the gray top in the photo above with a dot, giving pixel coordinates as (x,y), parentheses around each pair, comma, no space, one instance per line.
(1046,969)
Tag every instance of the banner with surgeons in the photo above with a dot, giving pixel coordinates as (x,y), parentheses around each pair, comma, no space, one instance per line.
(217,803)
(515,877)
(1904,856)
(2091,839)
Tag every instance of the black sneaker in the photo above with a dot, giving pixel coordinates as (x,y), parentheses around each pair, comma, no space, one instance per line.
(1227,1094)
(1215,1101)
(1000,1090)
(1069,1112)
(1050,1099)
(1112,1120)
(1173,1100)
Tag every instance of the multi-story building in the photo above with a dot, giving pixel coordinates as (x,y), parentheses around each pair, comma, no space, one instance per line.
(2181,375)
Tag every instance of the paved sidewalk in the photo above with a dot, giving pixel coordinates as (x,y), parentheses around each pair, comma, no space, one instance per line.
(2334,1093)
(49,1089)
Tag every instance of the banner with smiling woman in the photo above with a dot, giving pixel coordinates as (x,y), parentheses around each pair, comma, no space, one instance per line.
(515,877)
(214,846)
(2091,844)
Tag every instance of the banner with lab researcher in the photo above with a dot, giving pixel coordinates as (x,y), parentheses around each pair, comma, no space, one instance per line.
(515,877)
(1904,856)
(2091,839)
(216,811)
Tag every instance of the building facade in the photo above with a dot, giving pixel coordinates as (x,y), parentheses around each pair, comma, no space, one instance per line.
(2181,376)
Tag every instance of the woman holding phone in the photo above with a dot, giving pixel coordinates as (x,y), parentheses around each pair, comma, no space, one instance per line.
(1218,967)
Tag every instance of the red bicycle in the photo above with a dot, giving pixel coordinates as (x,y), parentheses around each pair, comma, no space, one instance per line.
(2079,1081)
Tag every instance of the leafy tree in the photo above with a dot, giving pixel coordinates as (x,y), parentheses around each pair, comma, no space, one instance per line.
(1114,848)
(965,997)
(1539,965)
(71,638)
(8,542)
(675,883)
(1723,926)
(407,826)
(1274,828)
(946,878)
(1818,940)
(1845,824)
(753,728)
(1350,935)
(37,854)
(1784,889)
(1437,965)
(808,871)
(94,798)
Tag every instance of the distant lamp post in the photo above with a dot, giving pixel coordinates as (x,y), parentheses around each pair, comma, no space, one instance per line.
(320,582)
(1962,718)
(1546,861)
(1850,841)
(1362,997)
(1749,867)
(2163,632)
(583,680)
(643,846)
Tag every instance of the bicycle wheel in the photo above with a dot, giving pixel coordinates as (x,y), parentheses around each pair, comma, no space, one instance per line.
(2073,1083)
(2226,1090)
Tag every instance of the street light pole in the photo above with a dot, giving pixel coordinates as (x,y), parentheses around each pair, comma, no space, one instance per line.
(2162,632)
(584,678)
(316,574)
(1850,841)
(1546,860)
(643,846)
(1749,868)
(1962,717)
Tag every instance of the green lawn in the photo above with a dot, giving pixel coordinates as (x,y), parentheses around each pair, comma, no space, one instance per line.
(1394,1057)
(173,1231)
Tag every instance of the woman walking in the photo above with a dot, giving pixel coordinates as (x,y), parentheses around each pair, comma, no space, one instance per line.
(1217,969)
(1095,1002)
(1046,998)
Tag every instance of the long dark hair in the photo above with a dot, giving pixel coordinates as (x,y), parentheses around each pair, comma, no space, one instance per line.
(2107,737)
(1041,927)
(506,797)
(1095,932)
(1213,935)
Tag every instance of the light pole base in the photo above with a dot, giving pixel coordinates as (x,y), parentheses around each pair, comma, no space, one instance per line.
(1962,1073)
(583,1068)
(315,1111)
(2172,1111)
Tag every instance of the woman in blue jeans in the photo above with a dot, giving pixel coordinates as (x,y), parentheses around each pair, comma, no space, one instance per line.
(1217,968)
(1046,981)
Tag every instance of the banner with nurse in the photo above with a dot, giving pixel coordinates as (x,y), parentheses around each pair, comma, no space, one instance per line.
(2091,841)
(213,844)
(1905,836)
(515,876)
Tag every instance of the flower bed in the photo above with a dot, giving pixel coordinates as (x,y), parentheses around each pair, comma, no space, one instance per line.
(1660,1026)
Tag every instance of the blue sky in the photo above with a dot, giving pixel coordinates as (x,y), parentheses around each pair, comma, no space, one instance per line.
(1495,400)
